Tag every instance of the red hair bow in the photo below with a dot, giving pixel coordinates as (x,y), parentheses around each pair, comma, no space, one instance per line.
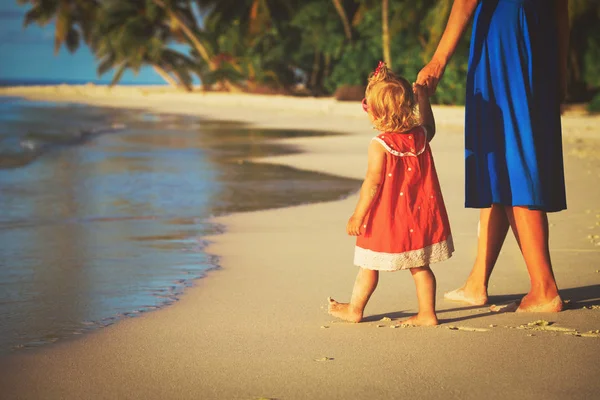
(381,64)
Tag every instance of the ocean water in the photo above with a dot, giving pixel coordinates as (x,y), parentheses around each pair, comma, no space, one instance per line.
(104,212)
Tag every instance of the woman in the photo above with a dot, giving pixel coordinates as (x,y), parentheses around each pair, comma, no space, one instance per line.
(513,151)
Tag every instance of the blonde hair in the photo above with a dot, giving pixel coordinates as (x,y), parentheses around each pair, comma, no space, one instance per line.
(391,101)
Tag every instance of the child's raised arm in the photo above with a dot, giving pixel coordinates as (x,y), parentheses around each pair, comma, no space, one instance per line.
(369,189)
(425,112)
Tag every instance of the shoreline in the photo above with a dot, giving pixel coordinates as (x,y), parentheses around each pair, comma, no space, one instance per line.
(233,145)
(254,328)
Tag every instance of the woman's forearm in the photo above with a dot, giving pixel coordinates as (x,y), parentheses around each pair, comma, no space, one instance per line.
(461,13)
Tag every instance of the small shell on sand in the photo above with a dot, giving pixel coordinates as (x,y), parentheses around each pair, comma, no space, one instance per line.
(386,319)
(324,359)
(324,326)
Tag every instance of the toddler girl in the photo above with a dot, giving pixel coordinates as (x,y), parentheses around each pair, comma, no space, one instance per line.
(400,220)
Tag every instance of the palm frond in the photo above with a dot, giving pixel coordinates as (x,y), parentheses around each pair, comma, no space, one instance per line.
(72,40)
(118,74)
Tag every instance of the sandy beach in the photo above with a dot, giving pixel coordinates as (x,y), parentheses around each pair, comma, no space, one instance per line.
(258,327)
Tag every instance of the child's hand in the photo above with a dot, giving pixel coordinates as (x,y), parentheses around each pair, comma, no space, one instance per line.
(420,91)
(354,225)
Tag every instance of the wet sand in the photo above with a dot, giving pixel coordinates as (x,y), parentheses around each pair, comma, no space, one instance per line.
(107,225)
(266,333)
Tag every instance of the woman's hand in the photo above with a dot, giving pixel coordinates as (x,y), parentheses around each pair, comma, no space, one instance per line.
(353,226)
(420,91)
(430,76)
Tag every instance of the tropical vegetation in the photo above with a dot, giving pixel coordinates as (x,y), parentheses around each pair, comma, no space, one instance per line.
(275,45)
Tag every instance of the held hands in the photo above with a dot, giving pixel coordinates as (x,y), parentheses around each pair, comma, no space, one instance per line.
(420,91)
(353,226)
(430,75)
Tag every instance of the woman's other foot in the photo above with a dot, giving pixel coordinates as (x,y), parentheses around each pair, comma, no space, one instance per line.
(530,303)
(474,298)
(343,311)
(421,320)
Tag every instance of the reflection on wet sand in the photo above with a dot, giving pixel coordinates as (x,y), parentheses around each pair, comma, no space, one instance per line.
(114,227)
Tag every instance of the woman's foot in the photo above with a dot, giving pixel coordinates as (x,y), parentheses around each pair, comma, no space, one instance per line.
(531,304)
(343,311)
(421,320)
(474,298)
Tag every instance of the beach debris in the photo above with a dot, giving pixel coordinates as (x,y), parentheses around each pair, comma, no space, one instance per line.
(543,325)
(493,325)
(324,326)
(539,322)
(380,326)
(466,328)
(594,334)
(322,359)
(386,319)
(393,326)
(510,307)
(530,334)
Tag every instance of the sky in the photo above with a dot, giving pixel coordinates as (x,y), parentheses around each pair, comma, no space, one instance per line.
(28,54)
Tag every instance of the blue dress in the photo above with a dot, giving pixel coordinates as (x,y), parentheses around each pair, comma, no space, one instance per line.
(513,146)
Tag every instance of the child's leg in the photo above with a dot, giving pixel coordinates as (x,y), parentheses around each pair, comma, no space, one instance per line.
(364,286)
(426,285)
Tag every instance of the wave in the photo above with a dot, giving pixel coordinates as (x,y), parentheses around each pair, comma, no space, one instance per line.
(17,151)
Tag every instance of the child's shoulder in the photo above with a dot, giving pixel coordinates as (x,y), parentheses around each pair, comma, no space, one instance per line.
(415,130)
(409,142)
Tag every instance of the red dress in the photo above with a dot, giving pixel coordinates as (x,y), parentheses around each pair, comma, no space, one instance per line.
(407,225)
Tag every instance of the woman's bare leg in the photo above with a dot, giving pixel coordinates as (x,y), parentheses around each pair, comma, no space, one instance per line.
(531,227)
(493,227)
(426,285)
(364,286)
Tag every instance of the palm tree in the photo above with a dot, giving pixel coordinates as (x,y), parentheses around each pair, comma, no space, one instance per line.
(385,33)
(247,35)
(344,17)
(134,33)
(74,19)
(184,22)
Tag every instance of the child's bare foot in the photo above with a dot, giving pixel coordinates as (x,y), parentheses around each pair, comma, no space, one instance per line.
(421,320)
(343,311)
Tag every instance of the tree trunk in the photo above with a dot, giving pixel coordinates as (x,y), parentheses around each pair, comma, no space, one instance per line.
(342,13)
(386,33)
(165,75)
(190,35)
(314,76)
